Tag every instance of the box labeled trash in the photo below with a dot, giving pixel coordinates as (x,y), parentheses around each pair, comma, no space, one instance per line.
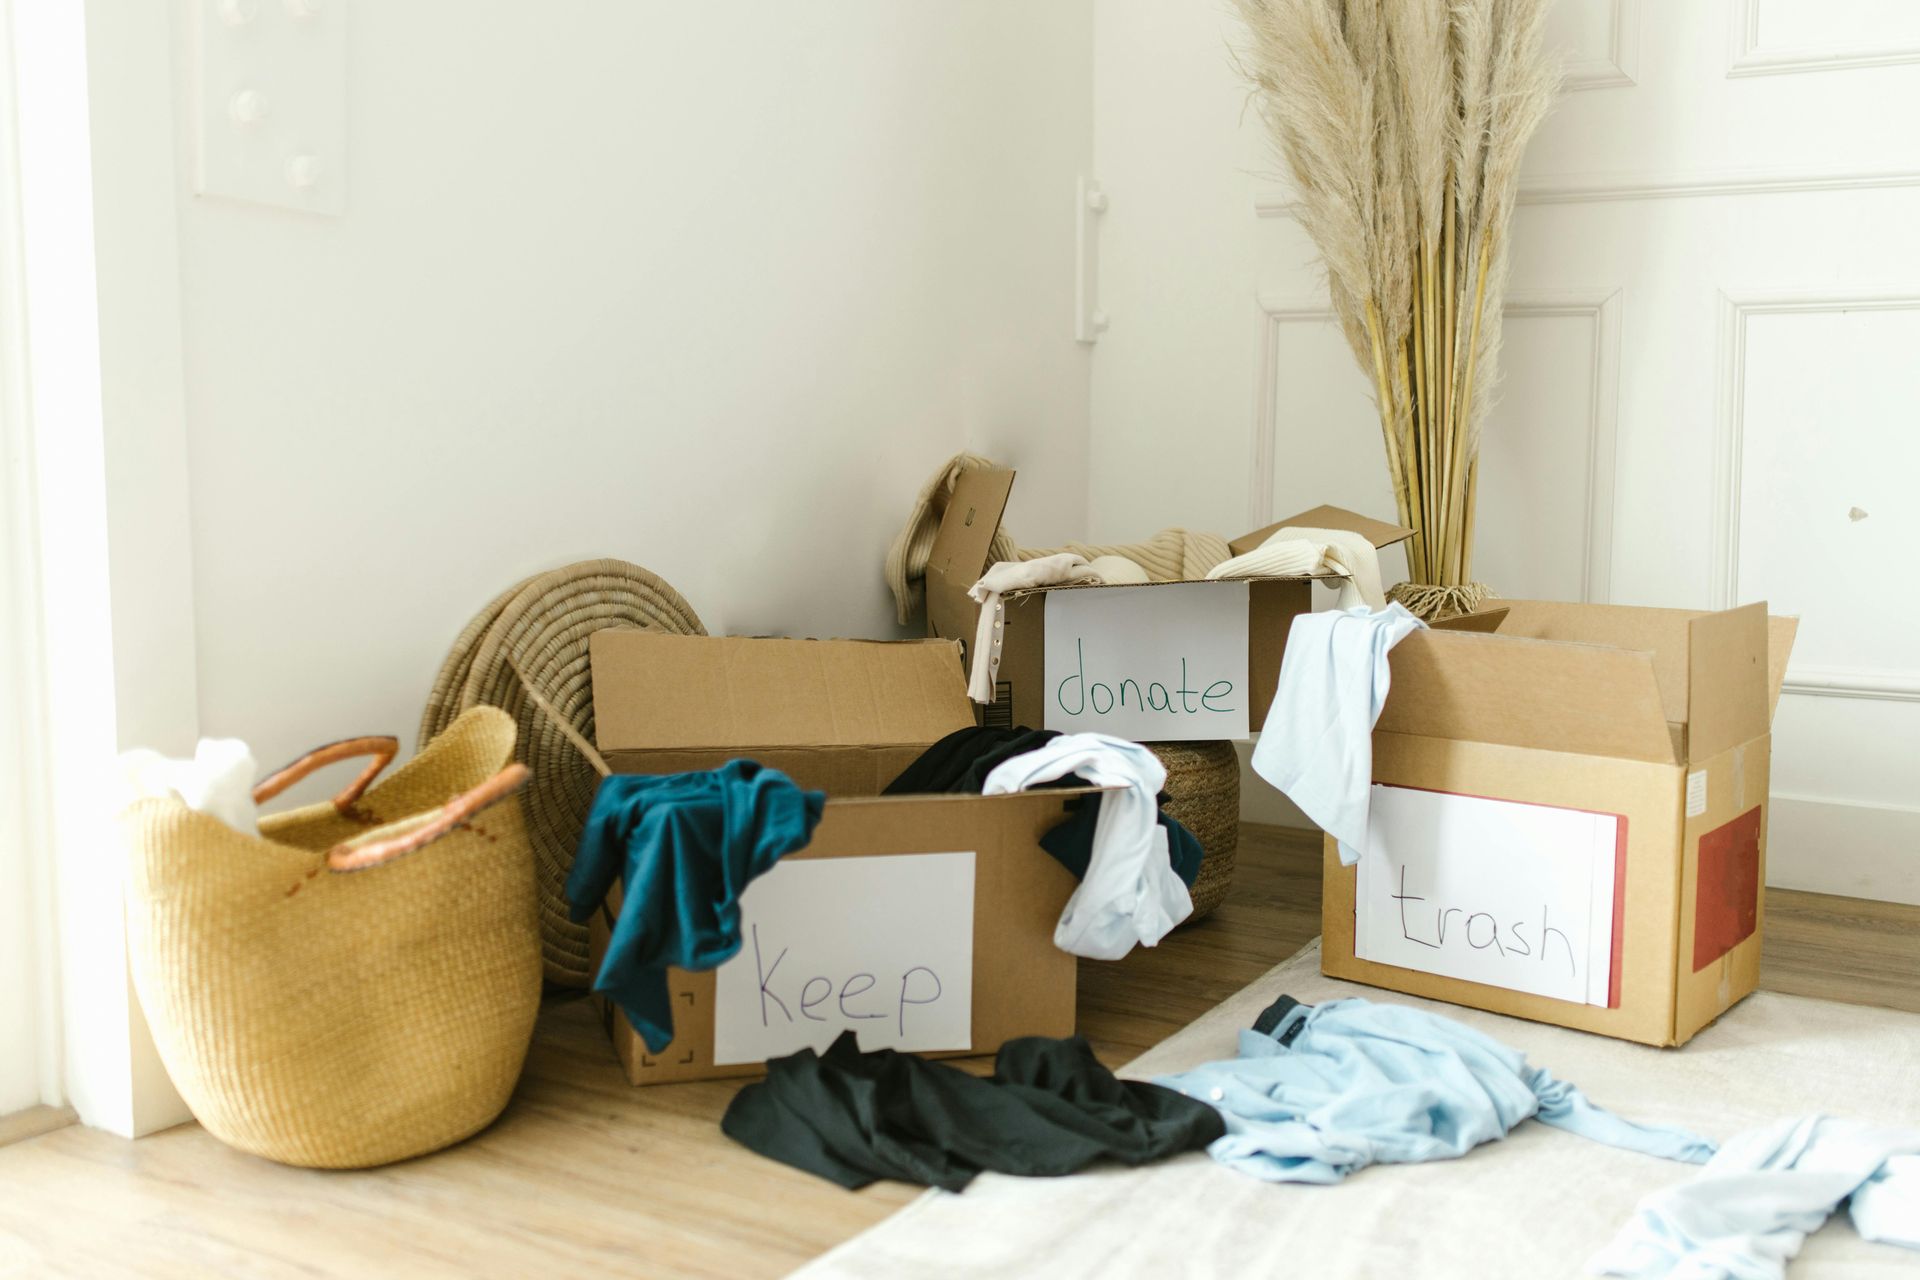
(1569,818)
(922,922)
(1153,662)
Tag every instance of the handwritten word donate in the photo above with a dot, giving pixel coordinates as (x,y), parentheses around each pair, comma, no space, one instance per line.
(1076,694)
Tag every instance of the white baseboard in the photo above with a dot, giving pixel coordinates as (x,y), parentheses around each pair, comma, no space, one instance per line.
(1853,850)
(1821,846)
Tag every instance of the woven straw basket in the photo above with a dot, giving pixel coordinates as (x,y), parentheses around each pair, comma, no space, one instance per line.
(535,636)
(1203,795)
(358,983)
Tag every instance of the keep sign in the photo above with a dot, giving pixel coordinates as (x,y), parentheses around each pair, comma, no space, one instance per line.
(881,946)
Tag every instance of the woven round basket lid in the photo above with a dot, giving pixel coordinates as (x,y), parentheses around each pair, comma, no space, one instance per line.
(541,628)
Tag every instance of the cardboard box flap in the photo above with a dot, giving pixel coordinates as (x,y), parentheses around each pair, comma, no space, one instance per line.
(1660,632)
(1378,532)
(653,691)
(962,546)
(1665,633)
(1586,699)
(1479,620)
(1727,666)
(1780,633)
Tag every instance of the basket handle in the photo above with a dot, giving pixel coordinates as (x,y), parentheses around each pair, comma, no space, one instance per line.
(457,812)
(381,747)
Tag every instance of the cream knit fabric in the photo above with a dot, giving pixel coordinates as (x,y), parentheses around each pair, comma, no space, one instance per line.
(1118,571)
(1296,551)
(1011,575)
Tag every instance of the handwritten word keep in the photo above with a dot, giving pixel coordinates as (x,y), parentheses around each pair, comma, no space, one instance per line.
(853,998)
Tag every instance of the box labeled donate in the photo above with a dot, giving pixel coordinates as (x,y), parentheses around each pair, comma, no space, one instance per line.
(1195,660)
(919,922)
(1568,818)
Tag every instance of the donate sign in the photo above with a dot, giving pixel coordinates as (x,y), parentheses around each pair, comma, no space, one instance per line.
(881,946)
(1153,664)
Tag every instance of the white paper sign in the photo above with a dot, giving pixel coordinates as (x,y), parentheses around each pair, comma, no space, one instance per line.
(1513,895)
(881,945)
(1153,664)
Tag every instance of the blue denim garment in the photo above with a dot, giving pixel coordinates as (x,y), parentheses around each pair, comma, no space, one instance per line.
(1325,1091)
(684,847)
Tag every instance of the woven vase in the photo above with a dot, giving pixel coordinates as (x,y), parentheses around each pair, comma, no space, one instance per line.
(1203,795)
(358,983)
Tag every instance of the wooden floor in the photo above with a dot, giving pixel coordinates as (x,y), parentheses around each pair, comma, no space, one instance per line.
(586,1176)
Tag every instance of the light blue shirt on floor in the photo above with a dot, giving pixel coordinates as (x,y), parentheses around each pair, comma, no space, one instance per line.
(1334,1088)
(1749,1211)
(1316,744)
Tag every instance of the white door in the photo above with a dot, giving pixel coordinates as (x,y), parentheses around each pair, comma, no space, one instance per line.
(1710,393)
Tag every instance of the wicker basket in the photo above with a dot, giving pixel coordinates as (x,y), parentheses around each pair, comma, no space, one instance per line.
(1203,795)
(357,984)
(534,636)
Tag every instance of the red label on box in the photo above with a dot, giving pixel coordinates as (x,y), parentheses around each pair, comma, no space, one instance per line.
(1727,902)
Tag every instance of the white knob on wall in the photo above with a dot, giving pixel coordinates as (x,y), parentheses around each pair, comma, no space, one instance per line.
(270,110)
(249,106)
(303,172)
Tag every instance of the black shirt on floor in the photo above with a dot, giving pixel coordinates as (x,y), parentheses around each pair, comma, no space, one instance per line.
(1049,1108)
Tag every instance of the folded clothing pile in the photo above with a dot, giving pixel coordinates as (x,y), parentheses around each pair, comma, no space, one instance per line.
(1135,864)
(1299,551)
(1015,575)
(1172,555)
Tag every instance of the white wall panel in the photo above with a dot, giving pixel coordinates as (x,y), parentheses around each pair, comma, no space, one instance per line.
(1599,41)
(1326,437)
(1826,518)
(1775,37)
(1543,530)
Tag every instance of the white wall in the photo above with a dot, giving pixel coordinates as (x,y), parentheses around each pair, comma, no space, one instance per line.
(711,288)
(708,290)
(1715,298)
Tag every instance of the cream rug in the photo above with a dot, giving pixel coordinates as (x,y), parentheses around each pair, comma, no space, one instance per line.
(1534,1206)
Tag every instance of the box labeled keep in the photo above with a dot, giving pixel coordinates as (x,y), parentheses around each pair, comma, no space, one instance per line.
(1568,818)
(1193,660)
(923,922)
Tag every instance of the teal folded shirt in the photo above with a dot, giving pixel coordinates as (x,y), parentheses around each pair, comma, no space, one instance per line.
(684,847)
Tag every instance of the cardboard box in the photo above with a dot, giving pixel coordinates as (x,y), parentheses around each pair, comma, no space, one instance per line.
(1210,648)
(1651,727)
(843,716)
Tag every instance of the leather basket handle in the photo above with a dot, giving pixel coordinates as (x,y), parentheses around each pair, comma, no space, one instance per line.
(457,812)
(381,747)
